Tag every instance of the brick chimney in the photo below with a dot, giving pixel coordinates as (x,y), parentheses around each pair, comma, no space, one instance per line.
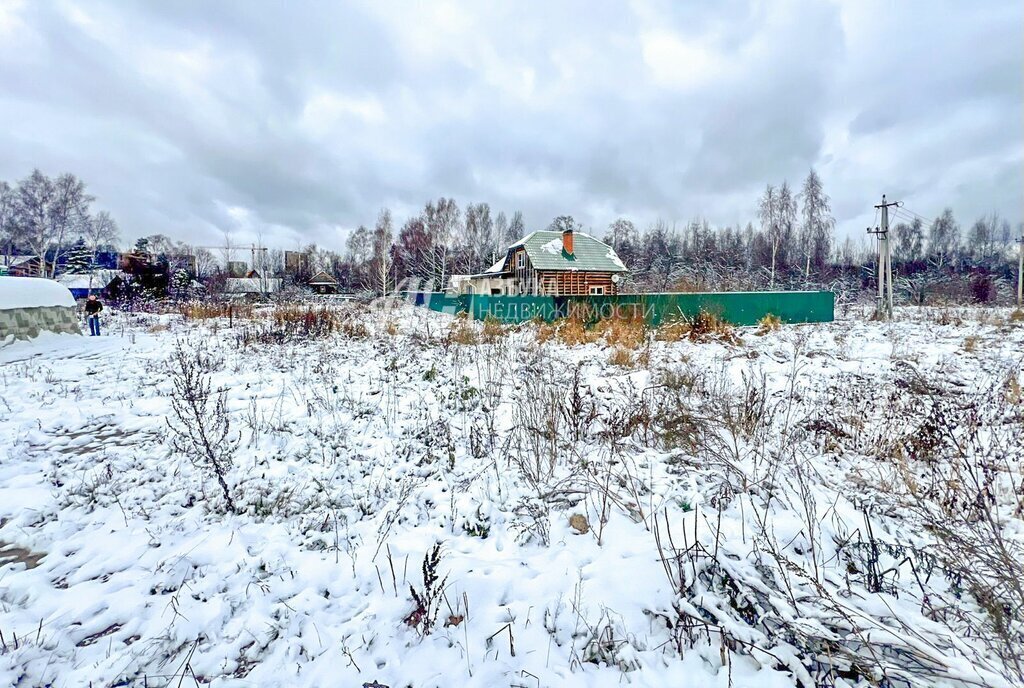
(567,241)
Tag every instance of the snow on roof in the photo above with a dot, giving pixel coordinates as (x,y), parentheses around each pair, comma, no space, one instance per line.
(11,261)
(89,280)
(252,285)
(554,247)
(322,278)
(33,292)
(497,267)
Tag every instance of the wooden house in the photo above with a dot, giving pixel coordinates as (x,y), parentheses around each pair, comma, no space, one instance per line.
(23,266)
(549,263)
(323,283)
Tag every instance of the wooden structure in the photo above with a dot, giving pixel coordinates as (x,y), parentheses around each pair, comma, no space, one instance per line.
(548,263)
(323,283)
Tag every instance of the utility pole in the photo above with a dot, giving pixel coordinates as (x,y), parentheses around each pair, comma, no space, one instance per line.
(1020,273)
(883,309)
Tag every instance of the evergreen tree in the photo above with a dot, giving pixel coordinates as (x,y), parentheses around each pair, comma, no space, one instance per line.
(79,258)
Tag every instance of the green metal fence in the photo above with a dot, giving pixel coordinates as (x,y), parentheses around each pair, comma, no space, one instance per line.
(738,308)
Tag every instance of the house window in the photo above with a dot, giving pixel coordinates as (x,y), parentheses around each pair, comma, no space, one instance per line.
(521,259)
(597,291)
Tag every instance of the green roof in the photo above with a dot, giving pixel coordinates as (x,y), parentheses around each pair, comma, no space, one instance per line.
(545,251)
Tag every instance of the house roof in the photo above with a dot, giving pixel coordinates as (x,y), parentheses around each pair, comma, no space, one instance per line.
(322,278)
(252,285)
(11,261)
(545,251)
(98,279)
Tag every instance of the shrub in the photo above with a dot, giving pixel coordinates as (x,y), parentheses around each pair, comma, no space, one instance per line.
(461,331)
(428,600)
(205,310)
(707,326)
(769,323)
(202,425)
(629,332)
(292,322)
(493,329)
(672,331)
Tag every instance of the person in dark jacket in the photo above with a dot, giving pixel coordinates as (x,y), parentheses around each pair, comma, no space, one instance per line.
(93,306)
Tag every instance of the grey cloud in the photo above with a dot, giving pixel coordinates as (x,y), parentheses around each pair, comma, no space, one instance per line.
(310,117)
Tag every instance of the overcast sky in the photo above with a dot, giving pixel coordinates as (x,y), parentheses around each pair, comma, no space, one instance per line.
(299,121)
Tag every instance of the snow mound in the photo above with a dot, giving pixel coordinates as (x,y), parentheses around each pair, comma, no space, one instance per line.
(33,292)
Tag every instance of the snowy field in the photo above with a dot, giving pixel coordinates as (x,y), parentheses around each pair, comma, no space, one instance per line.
(414,501)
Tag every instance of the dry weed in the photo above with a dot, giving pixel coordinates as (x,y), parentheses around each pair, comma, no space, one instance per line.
(769,323)
(621,357)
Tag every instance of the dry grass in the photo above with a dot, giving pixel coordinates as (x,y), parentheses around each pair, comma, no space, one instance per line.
(573,331)
(629,333)
(203,310)
(493,330)
(673,331)
(1017,316)
(461,331)
(971,343)
(769,323)
(621,357)
(708,327)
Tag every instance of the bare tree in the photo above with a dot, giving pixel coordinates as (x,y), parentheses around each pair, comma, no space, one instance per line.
(32,203)
(909,240)
(100,230)
(383,252)
(943,238)
(68,212)
(442,223)
(768,213)
(818,224)
(8,227)
(501,238)
(516,227)
(478,235)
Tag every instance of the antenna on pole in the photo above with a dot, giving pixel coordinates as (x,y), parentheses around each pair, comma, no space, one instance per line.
(883,307)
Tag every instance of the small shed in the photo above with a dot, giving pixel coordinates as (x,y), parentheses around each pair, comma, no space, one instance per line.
(30,305)
(323,283)
(21,266)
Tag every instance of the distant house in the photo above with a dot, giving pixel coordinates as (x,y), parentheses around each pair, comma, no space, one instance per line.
(21,266)
(98,282)
(551,264)
(252,287)
(323,283)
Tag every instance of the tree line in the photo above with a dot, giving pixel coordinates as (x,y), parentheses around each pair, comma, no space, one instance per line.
(790,244)
(44,217)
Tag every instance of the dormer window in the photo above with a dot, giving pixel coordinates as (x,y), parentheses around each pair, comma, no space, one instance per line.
(521,260)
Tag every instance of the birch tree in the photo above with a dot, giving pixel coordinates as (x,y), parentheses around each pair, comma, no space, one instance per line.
(100,230)
(442,222)
(32,203)
(383,255)
(768,213)
(818,224)
(8,228)
(67,213)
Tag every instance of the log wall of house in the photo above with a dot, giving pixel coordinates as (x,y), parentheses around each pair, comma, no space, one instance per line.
(557,282)
(575,283)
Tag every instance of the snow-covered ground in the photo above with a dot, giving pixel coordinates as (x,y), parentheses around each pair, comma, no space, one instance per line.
(752,513)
